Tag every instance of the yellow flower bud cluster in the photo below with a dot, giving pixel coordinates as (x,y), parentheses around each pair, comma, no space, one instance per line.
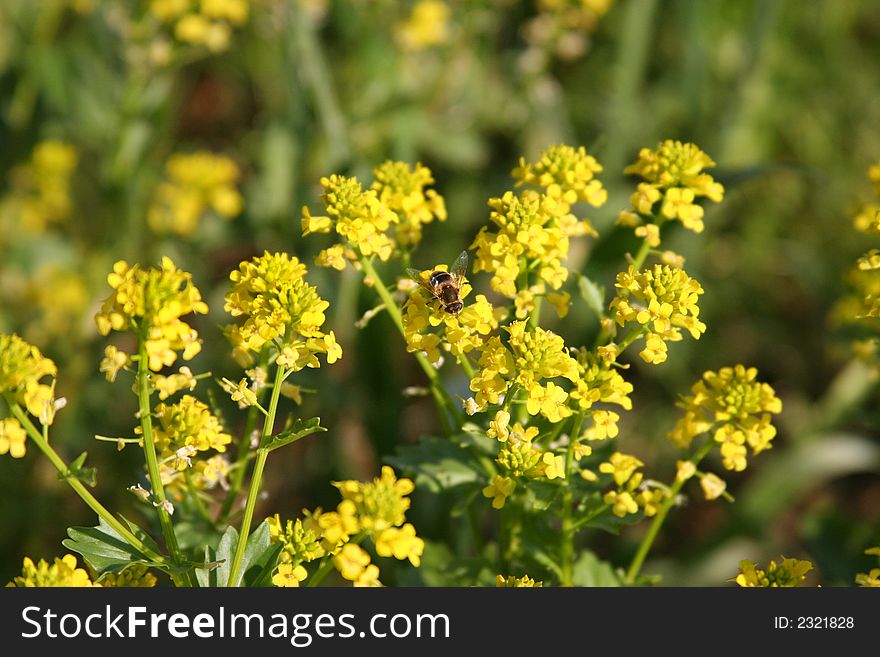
(136,575)
(375,509)
(790,572)
(514,582)
(23,372)
(733,405)
(358,216)
(207,23)
(662,300)
(278,306)
(674,179)
(151,302)
(62,572)
(565,173)
(187,423)
(41,188)
(195,183)
(401,188)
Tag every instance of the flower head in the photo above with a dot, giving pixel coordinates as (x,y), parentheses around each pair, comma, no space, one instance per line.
(734,404)
(402,189)
(790,572)
(189,423)
(381,503)
(516,582)
(63,572)
(23,373)
(270,294)
(662,300)
(151,303)
(564,172)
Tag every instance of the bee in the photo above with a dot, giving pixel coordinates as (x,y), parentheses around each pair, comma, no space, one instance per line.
(445,286)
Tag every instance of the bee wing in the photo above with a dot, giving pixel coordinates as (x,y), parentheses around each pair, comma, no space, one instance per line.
(416,275)
(459,267)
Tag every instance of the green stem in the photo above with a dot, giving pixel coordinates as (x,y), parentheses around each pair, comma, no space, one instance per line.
(241,459)
(80,489)
(648,540)
(566,552)
(440,393)
(256,477)
(641,255)
(146,417)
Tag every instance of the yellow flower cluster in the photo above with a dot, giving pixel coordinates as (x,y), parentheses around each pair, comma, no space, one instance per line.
(426,27)
(565,173)
(529,358)
(401,188)
(41,188)
(533,232)
(185,428)
(662,300)
(63,573)
(202,22)
(22,372)
(358,216)
(194,183)
(277,304)
(514,582)
(151,302)
(135,576)
(791,572)
(632,493)
(675,178)
(375,509)
(735,407)
(519,456)
(459,334)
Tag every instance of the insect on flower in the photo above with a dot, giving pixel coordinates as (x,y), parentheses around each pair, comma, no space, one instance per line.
(445,286)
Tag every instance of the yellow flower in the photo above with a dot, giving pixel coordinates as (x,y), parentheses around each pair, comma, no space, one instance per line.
(351,562)
(499,490)
(357,215)
(599,382)
(189,422)
(241,392)
(426,27)
(22,372)
(289,575)
(516,582)
(560,302)
(379,504)
(566,173)
(41,188)
(621,466)
(712,485)
(498,427)
(173,383)
(401,188)
(663,300)
(684,470)
(195,183)
(551,467)
(871,579)
(548,400)
(277,304)
(604,425)
(63,572)
(401,543)
(368,578)
(113,361)
(791,572)
(151,302)
(208,23)
(737,406)
(12,438)
(621,502)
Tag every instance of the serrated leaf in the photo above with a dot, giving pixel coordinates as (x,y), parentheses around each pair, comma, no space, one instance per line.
(438,464)
(589,570)
(300,429)
(593,294)
(104,549)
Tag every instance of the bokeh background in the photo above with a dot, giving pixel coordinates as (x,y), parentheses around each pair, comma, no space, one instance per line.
(784,95)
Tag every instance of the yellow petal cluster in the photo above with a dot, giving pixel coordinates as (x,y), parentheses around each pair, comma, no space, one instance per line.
(789,572)
(402,189)
(62,572)
(23,374)
(207,23)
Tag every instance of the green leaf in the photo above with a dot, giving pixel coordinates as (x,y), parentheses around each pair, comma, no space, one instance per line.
(300,429)
(593,294)
(257,563)
(104,549)
(590,571)
(438,464)
(77,470)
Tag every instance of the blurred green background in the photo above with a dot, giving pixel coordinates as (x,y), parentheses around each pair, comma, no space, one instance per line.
(783,95)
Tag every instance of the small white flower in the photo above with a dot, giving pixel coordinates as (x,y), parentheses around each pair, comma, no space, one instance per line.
(471,406)
(140,492)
